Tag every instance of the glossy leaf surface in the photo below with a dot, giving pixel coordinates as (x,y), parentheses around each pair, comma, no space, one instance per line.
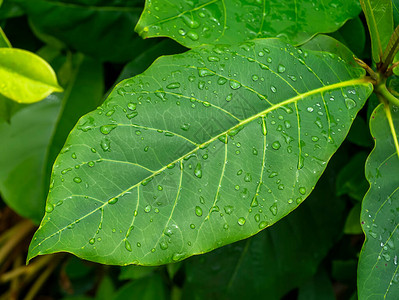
(276,260)
(102,29)
(25,77)
(378,275)
(194,23)
(188,156)
(379,16)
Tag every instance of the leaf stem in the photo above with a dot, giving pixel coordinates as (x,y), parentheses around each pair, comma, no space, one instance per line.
(20,231)
(386,94)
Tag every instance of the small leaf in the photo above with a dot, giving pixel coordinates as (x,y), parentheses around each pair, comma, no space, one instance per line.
(4,42)
(229,21)
(380,23)
(196,144)
(378,264)
(25,77)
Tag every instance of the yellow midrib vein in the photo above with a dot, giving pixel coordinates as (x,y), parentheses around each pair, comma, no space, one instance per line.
(360,81)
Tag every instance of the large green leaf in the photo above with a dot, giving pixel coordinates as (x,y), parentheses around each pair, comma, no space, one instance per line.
(379,17)
(103,29)
(378,276)
(203,149)
(25,77)
(28,142)
(199,22)
(278,259)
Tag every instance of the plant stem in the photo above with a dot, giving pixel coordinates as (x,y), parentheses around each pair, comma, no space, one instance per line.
(42,278)
(23,228)
(27,270)
(383,91)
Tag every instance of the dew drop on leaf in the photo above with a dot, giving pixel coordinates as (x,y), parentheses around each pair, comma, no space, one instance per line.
(273,209)
(241,221)
(235,85)
(77,179)
(128,246)
(350,103)
(106,129)
(198,211)
(276,145)
(112,201)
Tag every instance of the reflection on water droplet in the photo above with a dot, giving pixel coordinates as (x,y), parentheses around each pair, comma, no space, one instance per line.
(241,221)
(112,201)
(302,190)
(128,246)
(273,209)
(235,84)
(350,103)
(198,211)
(49,208)
(276,145)
(77,180)
(173,85)
(106,129)
(281,68)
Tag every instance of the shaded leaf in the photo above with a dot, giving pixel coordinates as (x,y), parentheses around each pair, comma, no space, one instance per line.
(380,23)
(319,288)
(351,179)
(4,42)
(194,23)
(148,288)
(102,29)
(352,224)
(25,77)
(191,151)
(378,264)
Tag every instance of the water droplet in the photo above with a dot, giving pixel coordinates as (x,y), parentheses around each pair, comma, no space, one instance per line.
(106,129)
(163,245)
(350,103)
(198,171)
(248,177)
(213,58)
(262,224)
(281,68)
(302,190)
(106,144)
(310,109)
(131,106)
(254,151)
(235,84)
(241,221)
(198,211)
(192,35)
(273,88)
(92,241)
(112,200)
(273,209)
(202,72)
(49,208)
(148,208)
(276,145)
(222,80)
(173,85)
(192,226)
(315,138)
(185,126)
(128,246)
(255,77)
(228,209)
(229,97)
(77,179)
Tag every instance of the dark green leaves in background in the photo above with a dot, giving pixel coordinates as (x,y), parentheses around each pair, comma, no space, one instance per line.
(102,29)
(194,23)
(188,156)
(378,275)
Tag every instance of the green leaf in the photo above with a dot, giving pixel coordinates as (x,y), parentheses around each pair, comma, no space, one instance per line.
(352,224)
(148,288)
(319,288)
(228,21)
(379,16)
(135,272)
(102,29)
(4,42)
(353,35)
(359,134)
(35,135)
(378,264)
(25,77)
(191,152)
(350,179)
(278,259)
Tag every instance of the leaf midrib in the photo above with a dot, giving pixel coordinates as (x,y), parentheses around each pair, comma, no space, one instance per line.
(361,81)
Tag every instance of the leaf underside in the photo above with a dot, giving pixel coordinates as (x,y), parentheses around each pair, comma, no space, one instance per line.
(378,264)
(203,149)
(199,22)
